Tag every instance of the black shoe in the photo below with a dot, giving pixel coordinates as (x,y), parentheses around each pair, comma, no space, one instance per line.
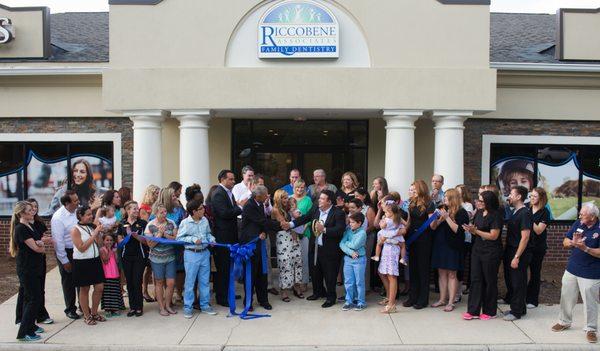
(73,315)
(139,313)
(418,307)
(131,313)
(341,298)
(313,297)
(237,297)
(328,304)
(196,306)
(224,304)
(407,303)
(267,306)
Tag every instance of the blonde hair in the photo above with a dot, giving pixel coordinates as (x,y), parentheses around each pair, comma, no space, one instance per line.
(18,210)
(278,203)
(454,200)
(352,177)
(148,198)
(165,198)
(298,183)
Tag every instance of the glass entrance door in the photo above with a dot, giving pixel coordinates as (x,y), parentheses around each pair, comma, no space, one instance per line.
(275,147)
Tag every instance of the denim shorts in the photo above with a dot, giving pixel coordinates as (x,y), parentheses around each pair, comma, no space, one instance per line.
(164,270)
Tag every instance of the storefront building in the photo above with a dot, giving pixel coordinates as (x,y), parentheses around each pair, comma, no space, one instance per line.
(400,89)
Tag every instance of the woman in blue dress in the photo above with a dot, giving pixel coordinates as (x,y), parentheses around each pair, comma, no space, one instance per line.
(448,243)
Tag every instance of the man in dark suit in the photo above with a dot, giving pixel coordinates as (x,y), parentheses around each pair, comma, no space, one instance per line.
(255,223)
(225,212)
(326,246)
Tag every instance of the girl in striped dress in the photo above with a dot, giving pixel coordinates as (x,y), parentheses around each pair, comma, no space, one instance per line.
(112,298)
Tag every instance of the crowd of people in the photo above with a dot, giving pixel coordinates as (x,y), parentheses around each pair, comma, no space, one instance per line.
(361,239)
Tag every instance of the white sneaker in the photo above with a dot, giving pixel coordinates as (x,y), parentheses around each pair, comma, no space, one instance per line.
(530,306)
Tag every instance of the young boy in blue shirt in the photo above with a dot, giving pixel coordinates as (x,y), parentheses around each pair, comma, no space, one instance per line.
(355,262)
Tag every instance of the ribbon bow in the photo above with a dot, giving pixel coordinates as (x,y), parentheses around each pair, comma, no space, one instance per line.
(241,255)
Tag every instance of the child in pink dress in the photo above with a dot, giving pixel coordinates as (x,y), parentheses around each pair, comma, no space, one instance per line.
(112,298)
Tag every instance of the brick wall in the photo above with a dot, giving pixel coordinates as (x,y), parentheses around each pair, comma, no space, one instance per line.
(70,125)
(475,128)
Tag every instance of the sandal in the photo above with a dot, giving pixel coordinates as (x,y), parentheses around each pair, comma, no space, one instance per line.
(383,302)
(89,320)
(389,309)
(170,310)
(164,313)
(98,318)
(438,304)
(298,294)
(449,307)
(149,299)
(286,299)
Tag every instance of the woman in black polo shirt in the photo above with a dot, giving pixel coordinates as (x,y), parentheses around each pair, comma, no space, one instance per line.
(30,262)
(40,229)
(541,216)
(485,258)
(134,256)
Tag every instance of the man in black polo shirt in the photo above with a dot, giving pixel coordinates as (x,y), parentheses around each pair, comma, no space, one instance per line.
(518,251)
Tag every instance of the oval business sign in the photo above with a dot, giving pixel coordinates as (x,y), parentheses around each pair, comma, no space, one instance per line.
(298,29)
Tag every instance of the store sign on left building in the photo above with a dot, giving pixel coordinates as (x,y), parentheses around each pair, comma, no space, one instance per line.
(7,33)
(298,29)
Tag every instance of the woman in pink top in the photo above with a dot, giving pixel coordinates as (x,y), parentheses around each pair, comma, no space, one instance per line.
(112,298)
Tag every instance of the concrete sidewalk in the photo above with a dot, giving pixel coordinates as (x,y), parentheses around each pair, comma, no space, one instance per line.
(298,325)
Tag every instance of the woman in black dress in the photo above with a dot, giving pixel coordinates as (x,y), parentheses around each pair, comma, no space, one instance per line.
(485,257)
(541,216)
(419,250)
(40,229)
(448,247)
(30,261)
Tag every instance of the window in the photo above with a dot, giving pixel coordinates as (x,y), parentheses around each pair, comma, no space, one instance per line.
(570,173)
(41,170)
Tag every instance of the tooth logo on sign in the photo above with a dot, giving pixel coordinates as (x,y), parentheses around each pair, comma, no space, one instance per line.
(298,29)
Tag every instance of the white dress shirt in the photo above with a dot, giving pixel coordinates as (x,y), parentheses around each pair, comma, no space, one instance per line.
(61,225)
(241,192)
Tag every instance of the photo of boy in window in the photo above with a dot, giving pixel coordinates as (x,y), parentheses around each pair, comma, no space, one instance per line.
(515,172)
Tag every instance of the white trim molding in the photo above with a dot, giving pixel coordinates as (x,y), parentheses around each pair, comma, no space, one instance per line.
(487,141)
(51,71)
(115,138)
(545,67)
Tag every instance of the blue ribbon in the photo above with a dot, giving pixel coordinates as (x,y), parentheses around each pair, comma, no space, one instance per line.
(240,255)
(422,228)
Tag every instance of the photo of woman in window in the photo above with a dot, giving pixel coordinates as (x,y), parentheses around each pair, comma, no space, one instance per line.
(82,181)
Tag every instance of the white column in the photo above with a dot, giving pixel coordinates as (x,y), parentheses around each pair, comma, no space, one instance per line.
(147,151)
(449,146)
(400,149)
(194,162)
